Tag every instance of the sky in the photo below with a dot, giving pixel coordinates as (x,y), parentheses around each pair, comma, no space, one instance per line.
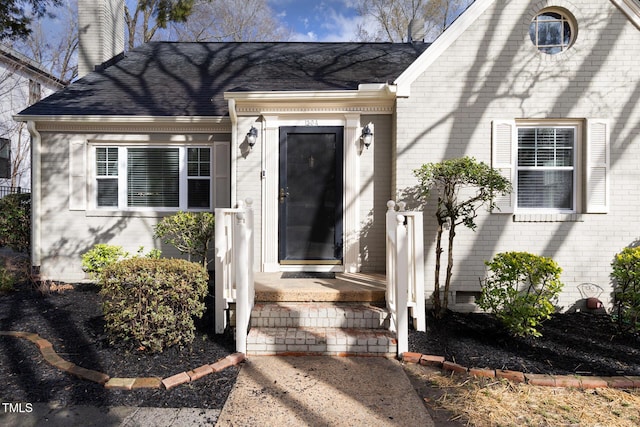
(318,20)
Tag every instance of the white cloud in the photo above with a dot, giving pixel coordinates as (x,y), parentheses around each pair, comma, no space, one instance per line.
(309,36)
(339,27)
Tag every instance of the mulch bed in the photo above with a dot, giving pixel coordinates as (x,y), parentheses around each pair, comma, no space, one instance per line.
(581,343)
(572,343)
(72,321)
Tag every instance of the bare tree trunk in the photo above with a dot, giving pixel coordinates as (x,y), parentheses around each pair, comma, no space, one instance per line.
(447,284)
(436,286)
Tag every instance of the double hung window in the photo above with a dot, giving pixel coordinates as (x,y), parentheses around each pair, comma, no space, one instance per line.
(546,168)
(158,178)
(555,166)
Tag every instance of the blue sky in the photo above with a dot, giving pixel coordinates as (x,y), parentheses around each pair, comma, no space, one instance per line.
(318,20)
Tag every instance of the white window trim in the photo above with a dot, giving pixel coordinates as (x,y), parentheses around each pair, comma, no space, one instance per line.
(593,166)
(578,148)
(122,178)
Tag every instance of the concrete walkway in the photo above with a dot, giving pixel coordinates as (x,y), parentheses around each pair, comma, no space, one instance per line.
(44,414)
(269,391)
(323,391)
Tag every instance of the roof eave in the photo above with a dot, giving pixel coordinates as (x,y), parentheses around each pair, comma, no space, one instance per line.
(439,46)
(369,91)
(121,119)
(631,9)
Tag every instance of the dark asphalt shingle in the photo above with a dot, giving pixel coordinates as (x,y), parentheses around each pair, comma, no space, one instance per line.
(185,79)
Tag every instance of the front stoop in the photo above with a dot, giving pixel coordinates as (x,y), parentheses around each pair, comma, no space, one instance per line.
(320,328)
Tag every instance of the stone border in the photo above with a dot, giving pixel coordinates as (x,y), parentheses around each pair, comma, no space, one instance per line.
(574,381)
(46,348)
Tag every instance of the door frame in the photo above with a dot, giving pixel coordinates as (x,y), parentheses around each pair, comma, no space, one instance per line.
(268,167)
(338,131)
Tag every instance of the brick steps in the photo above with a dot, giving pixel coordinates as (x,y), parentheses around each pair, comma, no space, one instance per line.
(323,315)
(321,341)
(320,328)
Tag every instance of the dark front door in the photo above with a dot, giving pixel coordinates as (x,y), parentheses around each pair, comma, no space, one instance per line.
(310,195)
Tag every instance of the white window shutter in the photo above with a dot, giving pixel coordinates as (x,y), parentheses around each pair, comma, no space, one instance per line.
(503,157)
(222,174)
(597,166)
(77,175)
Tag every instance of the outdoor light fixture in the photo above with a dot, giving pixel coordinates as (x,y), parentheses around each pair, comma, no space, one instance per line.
(252,136)
(367,135)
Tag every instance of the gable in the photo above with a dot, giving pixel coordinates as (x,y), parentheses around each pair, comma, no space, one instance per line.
(631,8)
(15,62)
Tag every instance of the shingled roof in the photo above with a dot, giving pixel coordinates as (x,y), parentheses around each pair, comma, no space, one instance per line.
(189,79)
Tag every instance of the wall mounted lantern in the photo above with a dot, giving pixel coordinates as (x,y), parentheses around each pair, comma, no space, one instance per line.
(252,136)
(367,135)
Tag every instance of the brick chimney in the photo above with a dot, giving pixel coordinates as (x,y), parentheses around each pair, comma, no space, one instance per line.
(417,32)
(101,32)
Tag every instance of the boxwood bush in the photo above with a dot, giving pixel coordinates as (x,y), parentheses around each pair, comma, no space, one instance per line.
(626,281)
(521,290)
(152,303)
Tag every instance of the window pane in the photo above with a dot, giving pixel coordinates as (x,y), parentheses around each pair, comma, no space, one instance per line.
(107,192)
(549,33)
(545,189)
(107,161)
(199,162)
(567,33)
(199,193)
(153,177)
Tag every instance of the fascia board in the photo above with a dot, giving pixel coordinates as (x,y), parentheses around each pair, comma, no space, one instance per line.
(363,93)
(631,9)
(439,46)
(124,119)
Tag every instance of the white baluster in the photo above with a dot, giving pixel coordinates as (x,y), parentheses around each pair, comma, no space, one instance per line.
(402,279)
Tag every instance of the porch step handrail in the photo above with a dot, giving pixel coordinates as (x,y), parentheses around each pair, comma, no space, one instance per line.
(405,271)
(234,280)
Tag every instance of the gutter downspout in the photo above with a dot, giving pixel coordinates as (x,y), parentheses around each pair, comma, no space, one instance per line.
(36,196)
(234,140)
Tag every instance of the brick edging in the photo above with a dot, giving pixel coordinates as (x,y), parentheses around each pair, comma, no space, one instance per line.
(46,349)
(545,380)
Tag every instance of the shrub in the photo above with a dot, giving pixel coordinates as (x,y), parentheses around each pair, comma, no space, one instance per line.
(7,280)
(521,289)
(95,260)
(151,303)
(189,232)
(15,221)
(626,278)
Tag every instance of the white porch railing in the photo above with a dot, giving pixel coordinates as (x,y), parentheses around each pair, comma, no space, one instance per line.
(405,271)
(234,269)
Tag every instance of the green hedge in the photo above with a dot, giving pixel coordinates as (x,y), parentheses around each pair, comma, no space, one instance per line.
(152,303)
(15,221)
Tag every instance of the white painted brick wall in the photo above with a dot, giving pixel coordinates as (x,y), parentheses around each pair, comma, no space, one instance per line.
(493,72)
(101,32)
(375,182)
